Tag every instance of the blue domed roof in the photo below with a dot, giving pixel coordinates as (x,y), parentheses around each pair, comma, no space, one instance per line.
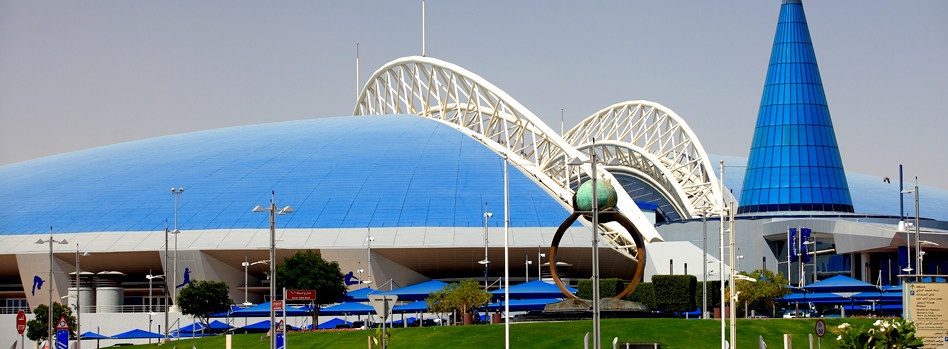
(341,172)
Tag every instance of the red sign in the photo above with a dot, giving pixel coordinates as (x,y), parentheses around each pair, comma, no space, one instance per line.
(300,295)
(820,328)
(62,324)
(280,327)
(20,322)
(277,305)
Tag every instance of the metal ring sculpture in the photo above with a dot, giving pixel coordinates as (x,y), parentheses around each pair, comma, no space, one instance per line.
(604,217)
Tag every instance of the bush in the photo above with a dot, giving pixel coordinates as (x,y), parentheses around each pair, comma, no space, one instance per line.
(714,294)
(674,292)
(896,333)
(607,288)
(643,293)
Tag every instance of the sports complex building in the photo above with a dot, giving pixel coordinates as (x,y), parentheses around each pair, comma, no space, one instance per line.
(411,189)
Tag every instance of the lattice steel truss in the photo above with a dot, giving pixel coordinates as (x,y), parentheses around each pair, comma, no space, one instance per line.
(445,92)
(670,155)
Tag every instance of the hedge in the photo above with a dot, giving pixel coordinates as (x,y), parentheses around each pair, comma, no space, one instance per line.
(675,292)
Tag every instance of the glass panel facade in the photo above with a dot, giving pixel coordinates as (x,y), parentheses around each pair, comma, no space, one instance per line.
(794,162)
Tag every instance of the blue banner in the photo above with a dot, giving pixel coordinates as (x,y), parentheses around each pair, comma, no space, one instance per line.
(62,339)
(804,237)
(792,239)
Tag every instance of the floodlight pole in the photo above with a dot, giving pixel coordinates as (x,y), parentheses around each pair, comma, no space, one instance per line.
(167,303)
(273,210)
(50,280)
(595,250)
(723,302)
(704,264)
(540,256)
(506,257)
(78,312)
(175,232)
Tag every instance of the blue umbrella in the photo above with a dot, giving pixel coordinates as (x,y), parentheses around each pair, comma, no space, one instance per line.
(347,308)
(93,335)
(262,326)
(263,309)
(396,322)
(413,307)
(136,333)
(189,335)
(233,308)
(360,295)
(195,327)
(524,304)
(417,292)
(534,289)
(840,283)
(821,297)
(335,322)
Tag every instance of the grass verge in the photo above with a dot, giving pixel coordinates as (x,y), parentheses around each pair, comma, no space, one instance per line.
(672,333)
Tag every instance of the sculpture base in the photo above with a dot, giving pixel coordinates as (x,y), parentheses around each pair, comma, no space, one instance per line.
(610,304)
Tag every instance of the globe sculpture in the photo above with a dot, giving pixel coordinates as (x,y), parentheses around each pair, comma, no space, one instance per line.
(606,198)
(605,195)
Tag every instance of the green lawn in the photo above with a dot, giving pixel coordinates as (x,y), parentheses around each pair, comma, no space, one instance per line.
(672,333)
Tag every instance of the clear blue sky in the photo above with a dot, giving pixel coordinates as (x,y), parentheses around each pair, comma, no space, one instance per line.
(80,74)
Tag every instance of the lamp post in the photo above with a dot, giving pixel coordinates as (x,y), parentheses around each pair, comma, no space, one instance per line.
(174,266)
(485,261)
(368,241)
(506,256)
(50,280)
(78,312)
(246,265)
(704,264)
(167,300)
(540,256)
(151,277)
(526,268)
(918,251)
(273,210)
(594,175)
(151,310)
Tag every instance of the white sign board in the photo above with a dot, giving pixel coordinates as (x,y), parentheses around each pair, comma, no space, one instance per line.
(383,304)
(926,303)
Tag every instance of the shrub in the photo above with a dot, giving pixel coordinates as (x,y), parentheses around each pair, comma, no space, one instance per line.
(674,292)
(607,288)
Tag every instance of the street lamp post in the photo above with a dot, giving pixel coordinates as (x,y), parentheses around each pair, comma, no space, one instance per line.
(485,261)
(273,210)
(174,267)
(151,310)
(704,264)
(368,255)
(526,268)
(246,265)
(50,280)
(78,312)
(918,251)
(540,256)
(594,174)
(167,300)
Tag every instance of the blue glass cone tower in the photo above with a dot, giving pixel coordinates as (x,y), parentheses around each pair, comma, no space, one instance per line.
(794,162)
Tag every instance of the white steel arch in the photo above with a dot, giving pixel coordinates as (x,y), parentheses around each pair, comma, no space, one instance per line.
(443,91)
(654,129)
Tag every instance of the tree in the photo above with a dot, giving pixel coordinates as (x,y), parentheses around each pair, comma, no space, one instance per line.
(764,292)
(461,296)
(203,298)
(38,328)
(307,270)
